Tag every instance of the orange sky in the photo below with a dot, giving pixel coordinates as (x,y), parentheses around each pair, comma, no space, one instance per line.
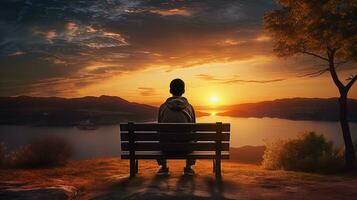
(133,49)
(221,80)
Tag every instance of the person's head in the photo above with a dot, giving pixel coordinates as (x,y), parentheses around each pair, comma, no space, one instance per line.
(177,87)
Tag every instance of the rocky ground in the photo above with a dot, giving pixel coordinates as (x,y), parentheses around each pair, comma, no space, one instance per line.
(107,178)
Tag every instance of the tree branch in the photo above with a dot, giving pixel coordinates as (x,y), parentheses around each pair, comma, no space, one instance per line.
(315,74)
(333,72)
(352,81)
(341,63)
(316,55)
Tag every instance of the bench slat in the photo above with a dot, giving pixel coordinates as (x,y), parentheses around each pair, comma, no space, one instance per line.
(154,136)
(175,126)
(156,146)
(160,155)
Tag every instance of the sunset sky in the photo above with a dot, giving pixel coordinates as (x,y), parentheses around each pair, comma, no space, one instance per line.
(133,49)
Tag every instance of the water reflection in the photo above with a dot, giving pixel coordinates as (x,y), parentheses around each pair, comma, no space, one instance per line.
(258,131)
(244,131)
(213,113)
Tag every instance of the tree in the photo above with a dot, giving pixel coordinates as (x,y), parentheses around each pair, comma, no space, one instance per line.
(327,31)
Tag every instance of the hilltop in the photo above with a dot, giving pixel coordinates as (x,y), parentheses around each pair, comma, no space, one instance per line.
(107,178)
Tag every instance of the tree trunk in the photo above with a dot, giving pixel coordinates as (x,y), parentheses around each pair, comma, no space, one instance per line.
(349,149)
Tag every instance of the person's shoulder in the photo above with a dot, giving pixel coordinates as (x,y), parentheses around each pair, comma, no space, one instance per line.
(163,105)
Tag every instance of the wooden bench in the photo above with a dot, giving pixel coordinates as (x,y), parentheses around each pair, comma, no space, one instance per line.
(147,140)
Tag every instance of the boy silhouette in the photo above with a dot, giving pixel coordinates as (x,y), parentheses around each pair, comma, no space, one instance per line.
(176,109)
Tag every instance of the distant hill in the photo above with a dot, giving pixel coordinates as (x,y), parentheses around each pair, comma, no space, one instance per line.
(295,108)
(105,110)
(55,111)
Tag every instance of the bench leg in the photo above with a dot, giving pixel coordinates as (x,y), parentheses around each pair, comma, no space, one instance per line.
(132,168)
(218,168)
(136,166)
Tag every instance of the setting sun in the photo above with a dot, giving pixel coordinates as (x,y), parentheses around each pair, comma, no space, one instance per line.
(214,99)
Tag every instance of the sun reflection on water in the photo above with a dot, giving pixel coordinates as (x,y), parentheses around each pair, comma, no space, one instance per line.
(213,113)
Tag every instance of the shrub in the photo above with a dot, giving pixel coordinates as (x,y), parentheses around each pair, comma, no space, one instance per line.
(272,155)
(309,152)
(41,152)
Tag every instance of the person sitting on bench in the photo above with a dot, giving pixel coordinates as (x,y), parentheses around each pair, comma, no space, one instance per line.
(176,109)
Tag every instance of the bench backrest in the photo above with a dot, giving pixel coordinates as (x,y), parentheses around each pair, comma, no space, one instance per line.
(174,136)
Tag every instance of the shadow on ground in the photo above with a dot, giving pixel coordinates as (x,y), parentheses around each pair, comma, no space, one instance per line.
(107,178)
(167,187)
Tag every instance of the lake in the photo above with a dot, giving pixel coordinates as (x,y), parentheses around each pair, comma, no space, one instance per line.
(245,131)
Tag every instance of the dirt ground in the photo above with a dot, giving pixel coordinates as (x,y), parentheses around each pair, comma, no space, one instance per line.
(107,178)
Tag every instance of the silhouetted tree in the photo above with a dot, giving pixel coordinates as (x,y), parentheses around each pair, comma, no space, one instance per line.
(325,30)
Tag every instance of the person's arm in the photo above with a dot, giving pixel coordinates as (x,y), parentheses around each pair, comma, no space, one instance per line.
(193,119)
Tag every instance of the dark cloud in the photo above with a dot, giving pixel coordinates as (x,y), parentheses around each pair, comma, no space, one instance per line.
(253,81)
(147,91)
(235,79)
(78,43)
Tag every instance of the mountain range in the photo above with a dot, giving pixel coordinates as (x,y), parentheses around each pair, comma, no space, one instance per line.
(315,109)
(55,111)
(105,110)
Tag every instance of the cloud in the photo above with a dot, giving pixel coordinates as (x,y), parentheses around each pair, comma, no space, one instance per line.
(208,77)
(233,80)
(253,81)
(72,30)
(84,41)
(174,11)
(230,42)
(48,36)
(17,53)
(147,91)
(263,38)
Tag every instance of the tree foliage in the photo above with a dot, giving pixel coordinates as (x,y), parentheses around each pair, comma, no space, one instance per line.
(313,27)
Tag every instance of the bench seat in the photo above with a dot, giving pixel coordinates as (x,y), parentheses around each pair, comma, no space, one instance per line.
(149,155)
